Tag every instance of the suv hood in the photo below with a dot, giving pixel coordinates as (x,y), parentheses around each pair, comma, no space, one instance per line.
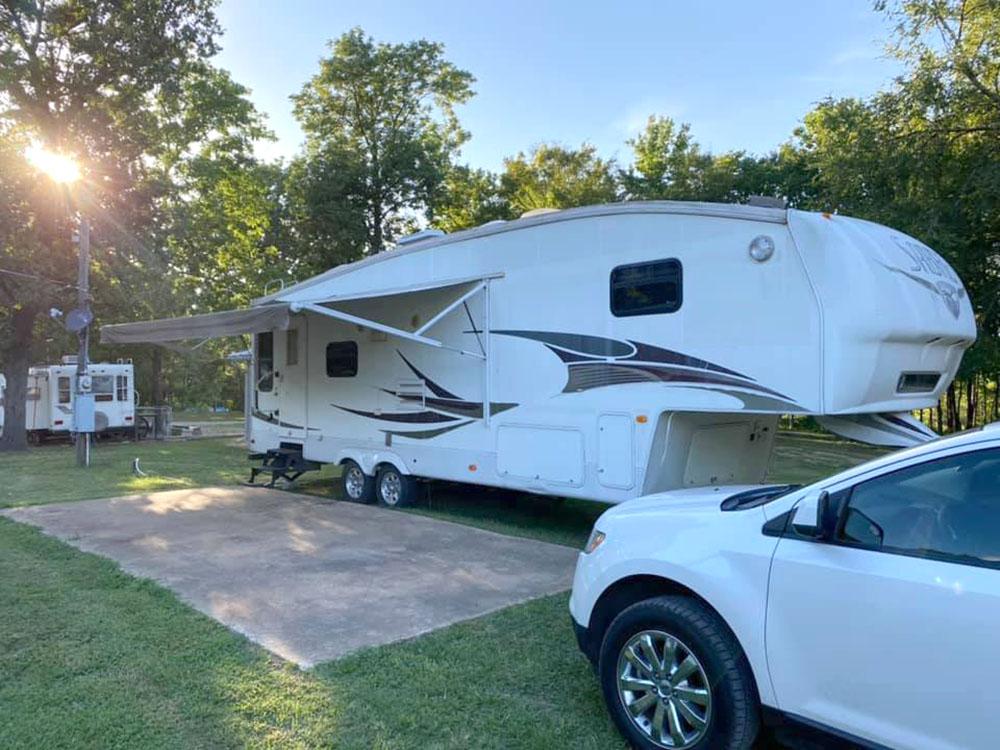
(696,499)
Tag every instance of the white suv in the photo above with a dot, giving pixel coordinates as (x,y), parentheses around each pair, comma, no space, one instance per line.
(865,606)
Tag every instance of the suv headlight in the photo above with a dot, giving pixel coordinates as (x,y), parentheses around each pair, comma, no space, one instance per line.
(596,540)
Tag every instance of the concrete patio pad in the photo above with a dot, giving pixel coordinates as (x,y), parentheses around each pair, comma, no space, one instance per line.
(307,578)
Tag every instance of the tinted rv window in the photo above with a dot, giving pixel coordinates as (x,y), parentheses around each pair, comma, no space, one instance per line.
(342,359)
(265,361)
(646,288)
(64,393)
(103,388)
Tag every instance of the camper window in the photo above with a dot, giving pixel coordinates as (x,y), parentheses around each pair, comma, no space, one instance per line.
(104,388)
(265,361)
(64,389)
(342,359)
(121,387)
(292,347)
(646,288)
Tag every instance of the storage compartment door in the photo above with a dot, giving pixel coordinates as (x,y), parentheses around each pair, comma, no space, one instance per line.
(615,451)
(553,455)
(716,454)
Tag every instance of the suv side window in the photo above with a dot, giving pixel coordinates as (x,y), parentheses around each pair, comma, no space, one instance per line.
(947,509)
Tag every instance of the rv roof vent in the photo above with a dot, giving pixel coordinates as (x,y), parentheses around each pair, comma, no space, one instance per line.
(538,212)
(766,201)
(494,223)
(69,359)
(412,239)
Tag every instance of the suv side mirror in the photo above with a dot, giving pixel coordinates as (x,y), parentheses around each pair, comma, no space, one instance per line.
(825,522)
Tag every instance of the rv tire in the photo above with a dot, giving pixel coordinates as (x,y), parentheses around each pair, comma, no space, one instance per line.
(356,486)
(393,489)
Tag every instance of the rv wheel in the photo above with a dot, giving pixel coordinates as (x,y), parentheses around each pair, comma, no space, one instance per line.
(358,487)
(393,489)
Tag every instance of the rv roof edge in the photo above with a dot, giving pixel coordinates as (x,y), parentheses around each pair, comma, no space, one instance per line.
(684,208)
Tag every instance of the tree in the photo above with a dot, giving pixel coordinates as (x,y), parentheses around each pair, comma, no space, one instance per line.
(551,176)
(381,131)
(668,164)
(96,78)
(468,198)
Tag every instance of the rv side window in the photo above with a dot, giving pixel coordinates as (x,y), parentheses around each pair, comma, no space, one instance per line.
(103,388)
(265,361)
(647,288)
(342,359)
(292,346)
(121,387)
(64,390)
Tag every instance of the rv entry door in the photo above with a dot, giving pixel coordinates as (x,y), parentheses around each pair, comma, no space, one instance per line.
(290,353)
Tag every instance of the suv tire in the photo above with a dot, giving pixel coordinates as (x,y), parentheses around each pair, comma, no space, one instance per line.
(708,702)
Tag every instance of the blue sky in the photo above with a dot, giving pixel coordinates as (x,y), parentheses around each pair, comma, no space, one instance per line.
(742,73)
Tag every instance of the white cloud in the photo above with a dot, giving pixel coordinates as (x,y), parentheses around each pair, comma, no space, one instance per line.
(633,120)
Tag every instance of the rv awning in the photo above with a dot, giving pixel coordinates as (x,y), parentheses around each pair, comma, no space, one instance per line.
(207,326)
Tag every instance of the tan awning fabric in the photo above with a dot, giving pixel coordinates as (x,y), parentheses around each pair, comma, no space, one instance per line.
(207,326)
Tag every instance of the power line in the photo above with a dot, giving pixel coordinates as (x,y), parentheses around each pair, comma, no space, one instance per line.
(36,277)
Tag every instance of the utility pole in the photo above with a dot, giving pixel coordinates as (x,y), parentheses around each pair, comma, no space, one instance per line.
(84,408)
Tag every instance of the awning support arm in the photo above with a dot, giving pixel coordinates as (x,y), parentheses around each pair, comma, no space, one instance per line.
(430,323)
(376,326)
(487,359)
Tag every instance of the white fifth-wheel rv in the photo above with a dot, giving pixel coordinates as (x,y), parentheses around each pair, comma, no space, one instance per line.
(604,352)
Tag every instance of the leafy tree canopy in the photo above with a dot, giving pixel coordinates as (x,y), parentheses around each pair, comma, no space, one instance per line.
(552,176)
(381,131)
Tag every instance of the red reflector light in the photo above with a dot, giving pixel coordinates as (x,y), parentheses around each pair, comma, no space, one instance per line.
(128,419)
(58,421)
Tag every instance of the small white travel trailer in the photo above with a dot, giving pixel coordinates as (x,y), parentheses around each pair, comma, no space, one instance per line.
(51,397)
(604,352)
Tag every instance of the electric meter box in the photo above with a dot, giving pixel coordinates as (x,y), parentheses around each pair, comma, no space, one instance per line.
(83,413)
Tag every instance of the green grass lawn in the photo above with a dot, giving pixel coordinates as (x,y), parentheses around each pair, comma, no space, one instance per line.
(803,458)
(195,415)
(92,657)
(49,474)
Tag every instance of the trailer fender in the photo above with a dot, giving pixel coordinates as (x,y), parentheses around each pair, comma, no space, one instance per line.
(369,460)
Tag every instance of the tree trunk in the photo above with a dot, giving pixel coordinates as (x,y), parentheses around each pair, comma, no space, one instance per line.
(377,237)
(157,391)
(17,360)
(953,415)
(996,397)
(970,402)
